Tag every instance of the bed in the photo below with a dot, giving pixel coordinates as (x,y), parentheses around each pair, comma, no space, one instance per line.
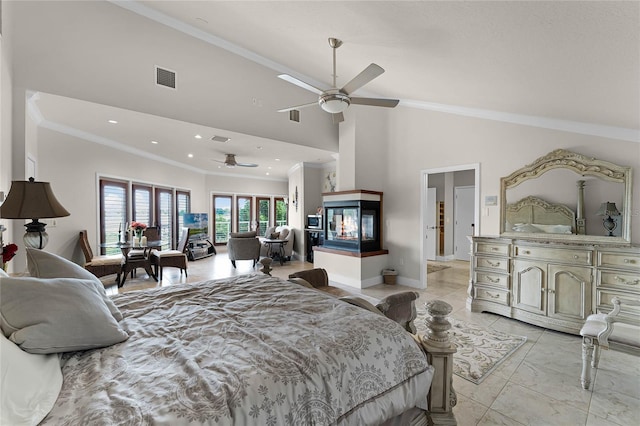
(248,350)
(535,215)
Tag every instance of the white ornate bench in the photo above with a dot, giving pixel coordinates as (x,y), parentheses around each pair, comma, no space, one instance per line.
(619,330)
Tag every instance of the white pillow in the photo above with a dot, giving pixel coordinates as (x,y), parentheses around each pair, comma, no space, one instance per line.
(554,229)
(43,264)
(30,384)
(526,227)
(49,315)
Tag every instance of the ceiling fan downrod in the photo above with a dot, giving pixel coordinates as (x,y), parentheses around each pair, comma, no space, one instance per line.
(334,43)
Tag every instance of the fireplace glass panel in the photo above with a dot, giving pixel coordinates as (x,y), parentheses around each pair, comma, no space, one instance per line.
(353,226)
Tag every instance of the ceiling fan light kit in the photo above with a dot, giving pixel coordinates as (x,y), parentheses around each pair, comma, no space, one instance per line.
(335,101)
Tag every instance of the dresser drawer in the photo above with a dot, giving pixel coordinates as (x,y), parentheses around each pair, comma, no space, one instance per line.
(603,302)
(572,256)
(493,263)
(623,281)
(492,248)
(492,279)
(630,261)
(491,295)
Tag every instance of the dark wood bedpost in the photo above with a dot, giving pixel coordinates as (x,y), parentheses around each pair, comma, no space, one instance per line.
(442,397)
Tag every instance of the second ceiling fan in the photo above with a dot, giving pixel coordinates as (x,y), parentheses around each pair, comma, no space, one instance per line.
(334,100)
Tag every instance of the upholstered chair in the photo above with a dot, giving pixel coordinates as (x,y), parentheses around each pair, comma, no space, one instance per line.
(281,233)
(243,246)
(399,307)
(100,266)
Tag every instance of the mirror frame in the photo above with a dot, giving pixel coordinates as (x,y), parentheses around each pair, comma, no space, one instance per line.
(583,166)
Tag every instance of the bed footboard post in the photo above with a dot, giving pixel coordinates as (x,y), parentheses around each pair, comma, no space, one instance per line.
(442,397)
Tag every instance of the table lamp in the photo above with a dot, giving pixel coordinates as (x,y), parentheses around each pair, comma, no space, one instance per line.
(607,210)
(32,200)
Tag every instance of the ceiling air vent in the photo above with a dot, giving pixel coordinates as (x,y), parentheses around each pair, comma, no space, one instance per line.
(165,78)
(220,139)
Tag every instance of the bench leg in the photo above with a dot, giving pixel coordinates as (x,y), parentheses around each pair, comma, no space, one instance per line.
(588,350)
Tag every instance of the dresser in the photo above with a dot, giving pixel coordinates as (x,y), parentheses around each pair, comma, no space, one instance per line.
(551,284)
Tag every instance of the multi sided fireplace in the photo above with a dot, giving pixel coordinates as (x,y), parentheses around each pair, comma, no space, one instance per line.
(352,221)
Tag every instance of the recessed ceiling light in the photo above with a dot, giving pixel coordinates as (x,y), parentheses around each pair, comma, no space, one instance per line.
(267,173)
(269,167)
(113,122)
(277,159)
(190,156)
(154,142)
(259,147)
(198,137)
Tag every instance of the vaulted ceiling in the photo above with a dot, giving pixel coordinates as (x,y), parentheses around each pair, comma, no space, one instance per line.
(572,61)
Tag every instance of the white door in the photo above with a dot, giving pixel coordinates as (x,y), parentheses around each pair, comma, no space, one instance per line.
(463,213)
(431,224)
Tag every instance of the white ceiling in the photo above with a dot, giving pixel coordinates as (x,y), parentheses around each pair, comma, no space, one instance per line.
(571,61)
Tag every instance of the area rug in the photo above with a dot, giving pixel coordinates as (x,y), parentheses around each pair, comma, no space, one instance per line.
(480,350)
(436,268)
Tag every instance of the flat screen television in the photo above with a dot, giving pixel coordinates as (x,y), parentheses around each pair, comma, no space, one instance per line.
(198,224)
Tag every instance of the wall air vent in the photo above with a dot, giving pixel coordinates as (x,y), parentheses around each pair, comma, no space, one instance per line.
(165,78)
(220,139)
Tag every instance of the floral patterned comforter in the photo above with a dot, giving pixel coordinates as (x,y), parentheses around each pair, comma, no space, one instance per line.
(249,350)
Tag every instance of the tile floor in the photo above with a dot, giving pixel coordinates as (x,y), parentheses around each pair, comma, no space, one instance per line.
(538,385)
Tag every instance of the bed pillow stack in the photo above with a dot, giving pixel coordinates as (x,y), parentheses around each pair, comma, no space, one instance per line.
(58,309)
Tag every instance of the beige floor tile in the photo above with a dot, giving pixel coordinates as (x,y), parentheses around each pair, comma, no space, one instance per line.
(533,408)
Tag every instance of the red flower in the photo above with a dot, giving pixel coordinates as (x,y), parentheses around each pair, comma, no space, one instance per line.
(138,226)
(8,252)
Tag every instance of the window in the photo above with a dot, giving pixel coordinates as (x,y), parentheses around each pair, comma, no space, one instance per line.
(183,205)
(222,214)
(280,212)
(244,214)
(122,202)
(113,213)
(263,209)
(142,208)
(164,214)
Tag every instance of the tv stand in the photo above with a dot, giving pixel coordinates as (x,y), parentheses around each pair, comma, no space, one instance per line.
(199,249)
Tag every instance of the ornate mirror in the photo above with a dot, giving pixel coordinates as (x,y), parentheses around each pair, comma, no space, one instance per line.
(567,196)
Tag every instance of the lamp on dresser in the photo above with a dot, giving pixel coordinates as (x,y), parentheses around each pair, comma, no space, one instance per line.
(607,210)
(32,200)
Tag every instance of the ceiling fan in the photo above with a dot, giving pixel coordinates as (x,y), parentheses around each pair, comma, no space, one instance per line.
(230,161)
(334,100)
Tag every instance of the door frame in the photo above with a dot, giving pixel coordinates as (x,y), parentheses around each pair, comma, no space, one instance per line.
(424,184)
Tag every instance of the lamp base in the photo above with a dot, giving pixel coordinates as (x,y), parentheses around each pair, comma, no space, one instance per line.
(609,225)
(36,236)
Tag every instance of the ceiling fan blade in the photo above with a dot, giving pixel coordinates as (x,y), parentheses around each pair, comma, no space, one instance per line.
(300,83)
(337,118)
(388,103)
(368,74)
(246,165)
(298,107)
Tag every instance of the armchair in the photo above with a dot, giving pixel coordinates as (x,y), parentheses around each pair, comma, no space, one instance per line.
(243,246)
(284,233)
(399,307)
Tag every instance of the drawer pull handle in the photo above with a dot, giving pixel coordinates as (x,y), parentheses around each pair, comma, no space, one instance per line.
(526,252)
(629,261)
(575,256)
(623,281)
(494,264)
(551,291)
(495,248)
(493,280)
(493,296)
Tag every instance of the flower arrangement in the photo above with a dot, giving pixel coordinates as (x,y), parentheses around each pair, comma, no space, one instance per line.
(137,228)
(8,252)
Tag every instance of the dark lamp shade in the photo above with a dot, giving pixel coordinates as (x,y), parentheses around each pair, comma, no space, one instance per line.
(31,200)
(608,209)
